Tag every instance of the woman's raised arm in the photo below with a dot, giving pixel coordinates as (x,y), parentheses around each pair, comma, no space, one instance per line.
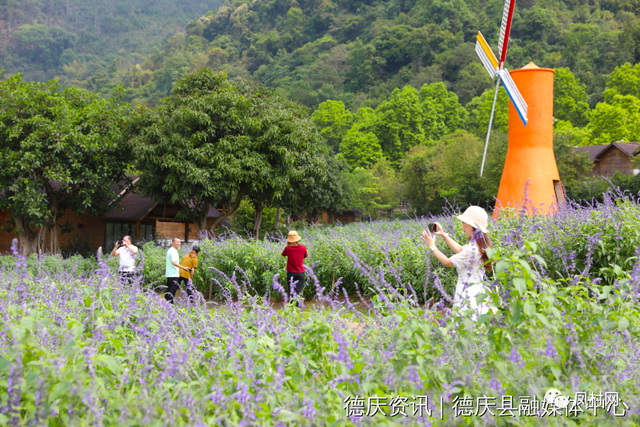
(453,245)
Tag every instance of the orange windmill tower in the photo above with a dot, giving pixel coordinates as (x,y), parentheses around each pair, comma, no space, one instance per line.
(530,178)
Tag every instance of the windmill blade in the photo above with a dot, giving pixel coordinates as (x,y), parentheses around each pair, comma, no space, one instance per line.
(486,55)
(505,29)
(514,95)
(493,109)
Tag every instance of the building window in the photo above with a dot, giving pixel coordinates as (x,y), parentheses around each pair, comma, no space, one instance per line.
(146,231)
(405,203)
(116,230)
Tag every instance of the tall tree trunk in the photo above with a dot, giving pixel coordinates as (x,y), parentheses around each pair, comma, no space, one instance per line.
(232,209)
(201,223)
(55,241)
(30,241)
(278,217)
(52,223)
(258,220)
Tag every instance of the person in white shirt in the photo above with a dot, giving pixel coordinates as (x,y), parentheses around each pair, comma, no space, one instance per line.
(172,270)
(127,253)
(471,260)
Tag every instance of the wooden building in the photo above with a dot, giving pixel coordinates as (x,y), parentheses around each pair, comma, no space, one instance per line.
(137,216)
(611,158)
(345,216)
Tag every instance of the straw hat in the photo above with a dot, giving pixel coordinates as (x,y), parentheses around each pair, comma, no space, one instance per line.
(293,237)
(476,217)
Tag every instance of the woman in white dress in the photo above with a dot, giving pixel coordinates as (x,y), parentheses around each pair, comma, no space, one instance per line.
(470,260)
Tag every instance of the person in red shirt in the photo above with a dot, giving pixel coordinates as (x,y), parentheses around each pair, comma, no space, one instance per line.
(295,253)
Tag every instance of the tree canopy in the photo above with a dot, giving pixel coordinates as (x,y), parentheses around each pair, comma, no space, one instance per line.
(59,149)
(215,141)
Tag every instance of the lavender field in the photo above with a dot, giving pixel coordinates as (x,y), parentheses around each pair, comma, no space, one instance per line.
(376,344)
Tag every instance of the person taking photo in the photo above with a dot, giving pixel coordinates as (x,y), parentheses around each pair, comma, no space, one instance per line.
(470,260)
(127,253)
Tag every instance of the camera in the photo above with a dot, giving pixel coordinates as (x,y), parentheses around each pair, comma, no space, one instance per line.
(433,227)
(120,243)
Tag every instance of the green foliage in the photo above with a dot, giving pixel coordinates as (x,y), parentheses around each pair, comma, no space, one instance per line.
(625,80)
(79,244)
(615,121)
(577,308)
(391,188)
(294,157)
(76,266)
(333,120)
(44,46)
(367,192)
(400,123)
(376,189)
(360,149)
(407,119)
(569,98)
(473,81)
(594,189)
(309,195)
(573,166)
(451,170)
(153,270)
(630,39)
(480,112)
(448,115)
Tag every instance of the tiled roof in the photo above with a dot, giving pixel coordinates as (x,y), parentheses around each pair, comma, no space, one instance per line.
(595,151)
(629,148)
(136,207)
(133,206)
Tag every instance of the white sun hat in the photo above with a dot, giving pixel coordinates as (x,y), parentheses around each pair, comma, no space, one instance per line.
(476,217)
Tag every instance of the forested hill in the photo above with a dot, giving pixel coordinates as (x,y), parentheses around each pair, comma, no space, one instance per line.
(353,51)
(39,37)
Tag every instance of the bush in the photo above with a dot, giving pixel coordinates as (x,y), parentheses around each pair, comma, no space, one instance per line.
(594,189)
(575,241)
(80,244)
(372,257)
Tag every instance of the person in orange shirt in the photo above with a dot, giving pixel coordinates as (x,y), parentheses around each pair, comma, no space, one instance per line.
(190,261)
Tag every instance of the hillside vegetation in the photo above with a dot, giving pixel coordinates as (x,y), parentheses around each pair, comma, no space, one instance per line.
(78,39)
(353,51)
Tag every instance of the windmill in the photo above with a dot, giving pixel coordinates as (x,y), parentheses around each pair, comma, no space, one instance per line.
(496,68)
